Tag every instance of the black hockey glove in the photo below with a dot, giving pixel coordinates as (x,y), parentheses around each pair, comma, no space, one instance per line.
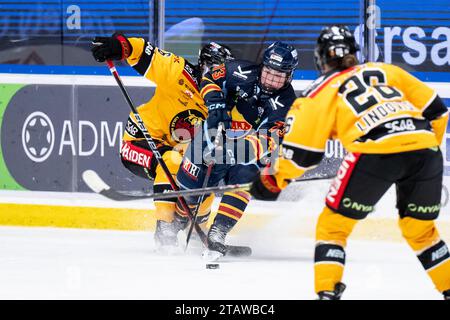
(218,112)
(265,187)
(116,47)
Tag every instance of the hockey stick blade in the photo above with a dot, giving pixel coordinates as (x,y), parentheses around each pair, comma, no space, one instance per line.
(238,251)
(96,184)
(325,177)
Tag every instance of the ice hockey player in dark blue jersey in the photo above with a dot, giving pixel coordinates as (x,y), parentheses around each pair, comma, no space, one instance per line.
(248,102)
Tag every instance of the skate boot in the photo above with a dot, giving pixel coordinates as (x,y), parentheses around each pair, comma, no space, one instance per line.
(166,235)
(216,243)
(332,295)
(446,294)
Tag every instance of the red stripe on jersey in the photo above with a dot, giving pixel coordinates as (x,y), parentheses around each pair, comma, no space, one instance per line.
(340,183)
(313,93)
(244,194)
(234,213)
(190,79)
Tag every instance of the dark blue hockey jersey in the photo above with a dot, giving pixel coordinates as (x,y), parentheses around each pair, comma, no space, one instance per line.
(236,83)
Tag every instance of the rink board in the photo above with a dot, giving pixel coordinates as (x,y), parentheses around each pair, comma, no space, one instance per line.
(29,208)
(293,218)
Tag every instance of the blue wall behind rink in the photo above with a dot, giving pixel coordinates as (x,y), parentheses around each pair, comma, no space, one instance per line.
(53,37)
(56,34)
(51,133)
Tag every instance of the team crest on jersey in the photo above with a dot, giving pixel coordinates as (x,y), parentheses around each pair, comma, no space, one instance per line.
(183,125)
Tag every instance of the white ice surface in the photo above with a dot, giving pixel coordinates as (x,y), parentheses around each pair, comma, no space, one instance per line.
(45,263)
(50,263)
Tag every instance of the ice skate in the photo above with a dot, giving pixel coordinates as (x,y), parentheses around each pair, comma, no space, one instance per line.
(332,295)
(166,237)
(216,244)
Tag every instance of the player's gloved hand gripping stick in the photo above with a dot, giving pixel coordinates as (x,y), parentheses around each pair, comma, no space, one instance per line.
(155,151)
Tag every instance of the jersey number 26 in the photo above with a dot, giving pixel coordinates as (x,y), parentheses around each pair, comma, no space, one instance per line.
(366,89)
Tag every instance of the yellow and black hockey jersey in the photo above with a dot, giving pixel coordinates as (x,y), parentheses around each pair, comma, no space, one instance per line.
(371,108)
(176,108)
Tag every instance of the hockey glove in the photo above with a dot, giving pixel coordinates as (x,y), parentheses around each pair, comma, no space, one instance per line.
(265,187)
(116,47)
(218,112)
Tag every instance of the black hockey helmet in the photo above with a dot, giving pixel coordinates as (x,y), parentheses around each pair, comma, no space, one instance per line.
(334,43)
(214,54)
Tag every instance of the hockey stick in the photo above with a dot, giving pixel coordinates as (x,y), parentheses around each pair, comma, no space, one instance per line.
(205,182)
(154,149)
(326,177)
(96,184)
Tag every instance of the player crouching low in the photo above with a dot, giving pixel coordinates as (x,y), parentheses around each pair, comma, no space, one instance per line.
(171,116)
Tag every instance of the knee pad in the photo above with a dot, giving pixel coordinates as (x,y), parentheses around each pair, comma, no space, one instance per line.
(334,227)
(419,234)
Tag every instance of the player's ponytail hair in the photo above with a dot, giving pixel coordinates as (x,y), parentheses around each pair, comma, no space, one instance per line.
(348,61)
(345,62)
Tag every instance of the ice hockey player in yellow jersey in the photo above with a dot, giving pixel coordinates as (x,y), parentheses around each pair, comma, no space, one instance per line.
(392,125)
(171,116)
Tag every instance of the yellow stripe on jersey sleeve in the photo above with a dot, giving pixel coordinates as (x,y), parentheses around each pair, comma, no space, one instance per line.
(209,88)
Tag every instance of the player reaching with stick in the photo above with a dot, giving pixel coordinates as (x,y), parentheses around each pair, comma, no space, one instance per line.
(171,117)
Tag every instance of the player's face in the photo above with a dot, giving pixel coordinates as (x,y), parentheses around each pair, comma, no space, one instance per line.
(272,79)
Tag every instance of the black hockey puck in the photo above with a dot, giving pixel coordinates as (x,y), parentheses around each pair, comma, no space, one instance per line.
(212,266)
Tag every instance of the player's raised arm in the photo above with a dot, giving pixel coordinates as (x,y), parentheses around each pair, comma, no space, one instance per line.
(151,62)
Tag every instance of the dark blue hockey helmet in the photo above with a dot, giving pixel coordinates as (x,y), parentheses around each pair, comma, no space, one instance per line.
(281,57)
(334,43)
